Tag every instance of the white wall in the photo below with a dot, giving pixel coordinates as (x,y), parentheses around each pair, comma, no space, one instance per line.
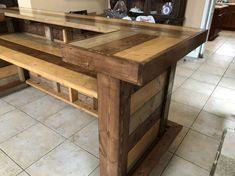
(66,5)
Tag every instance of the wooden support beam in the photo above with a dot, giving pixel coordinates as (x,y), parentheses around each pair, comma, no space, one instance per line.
(21,74)
(49,33)
(65,36)
(73,95)
(114,116)
(56,86)
(167,99)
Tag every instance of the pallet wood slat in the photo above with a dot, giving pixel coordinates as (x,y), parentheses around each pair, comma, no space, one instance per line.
(84,84)
(8,71)
(21,74)
(73,95)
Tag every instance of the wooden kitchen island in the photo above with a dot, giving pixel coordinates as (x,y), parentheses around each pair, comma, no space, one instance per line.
(119,71)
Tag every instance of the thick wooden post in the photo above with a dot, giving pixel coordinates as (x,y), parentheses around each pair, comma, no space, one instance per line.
(114,97)
(167,99)
(49,33)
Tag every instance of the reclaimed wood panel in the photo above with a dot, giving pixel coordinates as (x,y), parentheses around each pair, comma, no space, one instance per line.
(143,144)
(8,71)
(84,84)
(34,42)
(140,97)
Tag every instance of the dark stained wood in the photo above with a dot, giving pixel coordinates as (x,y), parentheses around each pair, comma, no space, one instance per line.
(144,127)
(114,99)
(122,44)
(167,99)
(156,151)
(118,68)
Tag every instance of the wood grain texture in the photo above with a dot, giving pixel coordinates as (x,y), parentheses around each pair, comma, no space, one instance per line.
(85,84)
(114,115)
(8,71)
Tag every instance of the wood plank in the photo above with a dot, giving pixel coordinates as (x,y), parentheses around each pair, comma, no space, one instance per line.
(21,74)
(56,86)
(117,68)
(8,71)
(33,42)
(143,95)
(63,97)
(154,155)
(84,84)
(146,50)
(49,33)
(45,56)
(167,98)
(139,132)
(114,116)
(146,110)
(102,39)
(73,95)
(142,145)
(65,36)
(122,44)
(2,17)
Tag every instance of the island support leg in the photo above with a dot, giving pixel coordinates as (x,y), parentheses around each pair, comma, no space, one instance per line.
(114,97)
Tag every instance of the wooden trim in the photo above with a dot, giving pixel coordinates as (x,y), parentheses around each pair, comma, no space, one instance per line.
(114,98)
(167,98)
(156,151)
(63,97)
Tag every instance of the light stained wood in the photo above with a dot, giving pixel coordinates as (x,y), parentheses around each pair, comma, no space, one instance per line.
(56,86)
(33,42)
(21,74)
(63,97)
(102,39)
(49,33)
(140,97)
(146,50)
(141,146)
(84,84)
(73,95)
(8,71)
(65,36)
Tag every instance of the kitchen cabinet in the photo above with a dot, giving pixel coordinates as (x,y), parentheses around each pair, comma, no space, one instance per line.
(220,16)
(229,18)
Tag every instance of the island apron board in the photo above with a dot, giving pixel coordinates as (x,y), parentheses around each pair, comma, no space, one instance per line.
(119,71)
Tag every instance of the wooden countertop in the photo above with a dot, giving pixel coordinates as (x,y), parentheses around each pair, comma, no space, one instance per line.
(132,51)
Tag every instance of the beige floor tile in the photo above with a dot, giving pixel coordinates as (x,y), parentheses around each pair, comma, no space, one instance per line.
(206,77)
(96,172)
(185,72)
(13,123)
(30,145)
(157,171)
(24,97)
(178,81)
(43,108)
(212,69)
(189,97)
(230,73)
(88,138)
(23,174)
(7,166)
(218,58)
(212,125)
(66,160)
(180,167)
(5,107)
(224,94)
(227,83)
(190,64)
(232,66)
(183,114)
(175,144)
(68,121)
(198,86)
(226,49)
(221,108)
(198,149)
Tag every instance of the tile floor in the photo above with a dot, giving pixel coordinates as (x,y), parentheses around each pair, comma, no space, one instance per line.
(41,136)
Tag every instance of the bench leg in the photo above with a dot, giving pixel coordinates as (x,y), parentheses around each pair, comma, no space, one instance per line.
(23,74)
(73,95)
(114,116)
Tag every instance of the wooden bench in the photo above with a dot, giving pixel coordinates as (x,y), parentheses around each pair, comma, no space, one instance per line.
(75,82)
